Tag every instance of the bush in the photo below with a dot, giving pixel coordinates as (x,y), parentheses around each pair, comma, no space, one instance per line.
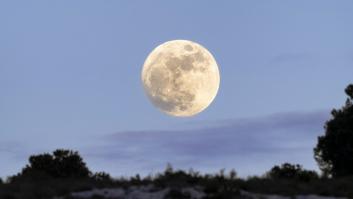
(60,164)
(291,172)
(102,177)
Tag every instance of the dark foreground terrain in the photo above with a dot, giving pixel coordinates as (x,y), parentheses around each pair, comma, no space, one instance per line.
(285,180)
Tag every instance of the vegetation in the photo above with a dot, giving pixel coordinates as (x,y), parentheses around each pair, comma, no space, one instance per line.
(60,164)
(286,179)
(294,172)
(334,150)
(49,175)
(64,172)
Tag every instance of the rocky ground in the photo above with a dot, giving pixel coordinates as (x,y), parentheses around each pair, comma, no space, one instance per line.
(150,192)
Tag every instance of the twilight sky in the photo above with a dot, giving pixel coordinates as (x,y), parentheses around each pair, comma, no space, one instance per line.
(70,78)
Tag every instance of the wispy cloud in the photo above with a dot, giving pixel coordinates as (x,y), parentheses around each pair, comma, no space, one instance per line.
(250,145)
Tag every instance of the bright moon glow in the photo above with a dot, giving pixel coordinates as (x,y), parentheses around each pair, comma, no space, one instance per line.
(180,77)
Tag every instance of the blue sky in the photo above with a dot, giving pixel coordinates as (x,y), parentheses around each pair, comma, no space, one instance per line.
(70,78)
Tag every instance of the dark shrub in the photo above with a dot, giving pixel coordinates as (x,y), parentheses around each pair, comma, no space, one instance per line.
(292,172)
(101,176)
(60,164)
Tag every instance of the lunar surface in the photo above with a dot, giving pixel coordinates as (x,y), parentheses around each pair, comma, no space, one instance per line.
(180,77)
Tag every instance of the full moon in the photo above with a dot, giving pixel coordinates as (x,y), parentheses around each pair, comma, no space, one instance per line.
(180,77)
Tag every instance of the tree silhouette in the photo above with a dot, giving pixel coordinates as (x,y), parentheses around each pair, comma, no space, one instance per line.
(60,164)
(334,150)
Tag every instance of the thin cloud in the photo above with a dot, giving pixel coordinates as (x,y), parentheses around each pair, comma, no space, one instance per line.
(248,145)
